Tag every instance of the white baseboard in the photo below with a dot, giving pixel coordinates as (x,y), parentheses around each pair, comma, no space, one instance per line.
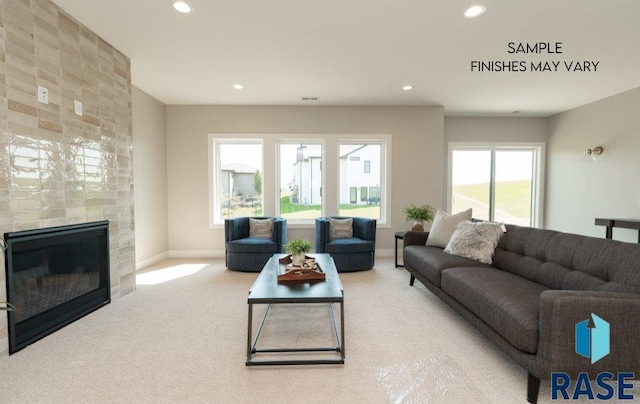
(196,253)
(386,252)
(150,261)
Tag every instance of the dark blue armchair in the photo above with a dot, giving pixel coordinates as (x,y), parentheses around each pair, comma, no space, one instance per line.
(250,254)
(349,253)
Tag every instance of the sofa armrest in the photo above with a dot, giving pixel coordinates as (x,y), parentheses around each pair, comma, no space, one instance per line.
(561,310)
(415,238)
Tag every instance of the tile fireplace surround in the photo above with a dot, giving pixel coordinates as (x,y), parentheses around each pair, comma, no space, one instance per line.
(56,167)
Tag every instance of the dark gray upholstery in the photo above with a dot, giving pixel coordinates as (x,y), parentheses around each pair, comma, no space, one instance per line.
(350,254)
(541,283)
(431,261)
(244,253)
(509,304)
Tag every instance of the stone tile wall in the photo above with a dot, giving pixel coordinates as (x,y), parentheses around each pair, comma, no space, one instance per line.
(57,167)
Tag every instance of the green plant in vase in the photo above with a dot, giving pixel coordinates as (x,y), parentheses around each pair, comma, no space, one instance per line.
(297,247)
(419,215)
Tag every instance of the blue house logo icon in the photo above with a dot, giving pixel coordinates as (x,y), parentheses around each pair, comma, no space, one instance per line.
(592,338)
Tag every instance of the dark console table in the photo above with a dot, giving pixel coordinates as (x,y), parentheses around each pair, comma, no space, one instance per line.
(621,223)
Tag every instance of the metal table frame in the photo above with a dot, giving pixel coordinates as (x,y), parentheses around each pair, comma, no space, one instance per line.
(302,299)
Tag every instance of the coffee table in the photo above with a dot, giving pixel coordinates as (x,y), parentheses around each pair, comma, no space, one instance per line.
(267,290)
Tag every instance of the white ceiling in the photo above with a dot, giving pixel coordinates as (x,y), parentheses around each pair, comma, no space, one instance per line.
(361,52)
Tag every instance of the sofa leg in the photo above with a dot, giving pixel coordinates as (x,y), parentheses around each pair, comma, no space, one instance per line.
(413,278)
(533,386)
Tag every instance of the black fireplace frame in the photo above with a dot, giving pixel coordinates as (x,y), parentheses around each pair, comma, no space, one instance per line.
(25,332)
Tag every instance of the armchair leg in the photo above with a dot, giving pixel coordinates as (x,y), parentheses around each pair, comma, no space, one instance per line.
(533,386)
(413,278)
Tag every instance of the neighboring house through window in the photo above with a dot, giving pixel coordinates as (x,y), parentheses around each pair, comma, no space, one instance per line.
(297,182)
(237,178)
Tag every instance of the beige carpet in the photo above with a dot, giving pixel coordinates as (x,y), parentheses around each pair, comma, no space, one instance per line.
(181,338)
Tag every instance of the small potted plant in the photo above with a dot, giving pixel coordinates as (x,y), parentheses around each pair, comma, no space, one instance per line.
(297,247)
(419,215)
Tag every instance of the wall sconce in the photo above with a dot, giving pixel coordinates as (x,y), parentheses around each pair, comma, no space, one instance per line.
(592,153)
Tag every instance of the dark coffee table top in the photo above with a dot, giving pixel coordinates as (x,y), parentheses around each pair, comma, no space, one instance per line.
(266,288)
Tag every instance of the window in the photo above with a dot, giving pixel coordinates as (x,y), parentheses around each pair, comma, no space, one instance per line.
(500,183)
(237,178)
(352,177)
(364,194)
(306,177)
(300,195)
(353,195)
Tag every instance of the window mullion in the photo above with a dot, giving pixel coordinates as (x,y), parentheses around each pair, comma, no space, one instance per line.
(492,187)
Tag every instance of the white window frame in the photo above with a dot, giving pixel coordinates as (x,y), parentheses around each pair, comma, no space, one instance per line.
(330,186)
(297,140)
(215,220)
(385,176)
(537,200)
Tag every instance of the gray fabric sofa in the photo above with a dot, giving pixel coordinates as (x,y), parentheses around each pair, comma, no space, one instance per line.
(541,284)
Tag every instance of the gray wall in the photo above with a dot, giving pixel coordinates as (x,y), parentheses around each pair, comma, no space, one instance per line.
(489,129)
(578,191)
(150,178)
(416,163)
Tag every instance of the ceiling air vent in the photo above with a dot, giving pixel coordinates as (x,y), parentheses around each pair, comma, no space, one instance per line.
(309,98)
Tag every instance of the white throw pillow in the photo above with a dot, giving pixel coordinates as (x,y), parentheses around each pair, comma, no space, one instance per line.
(340,228)
(477,241)
(444,225)
(260,228)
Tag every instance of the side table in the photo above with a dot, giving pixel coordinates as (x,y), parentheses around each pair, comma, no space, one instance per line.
(399,235)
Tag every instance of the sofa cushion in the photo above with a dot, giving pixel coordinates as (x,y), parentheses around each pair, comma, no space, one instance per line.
(525,251)
(477,241)
(444,225)
(253,245)
(431,261)
(348,245)
(506,302)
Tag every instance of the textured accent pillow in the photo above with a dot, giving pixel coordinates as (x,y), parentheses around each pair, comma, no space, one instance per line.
(260,228)
(477,241)
(340,228)
(444,225)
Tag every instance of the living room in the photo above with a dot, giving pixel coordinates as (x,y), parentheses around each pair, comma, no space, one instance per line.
(158,155)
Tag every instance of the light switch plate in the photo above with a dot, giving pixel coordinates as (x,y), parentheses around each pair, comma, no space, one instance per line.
(43,95)
(77,107)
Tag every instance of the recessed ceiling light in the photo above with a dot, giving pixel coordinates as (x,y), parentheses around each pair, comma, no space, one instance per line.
(475,11)
(407,88)
(238,86)
(182,7)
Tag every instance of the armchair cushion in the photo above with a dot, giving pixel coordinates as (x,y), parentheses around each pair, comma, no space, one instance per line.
(340,228)
(348,245)
(254,245)
(261,228)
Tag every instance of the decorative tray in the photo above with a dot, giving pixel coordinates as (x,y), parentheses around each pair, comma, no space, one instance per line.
(309,271)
